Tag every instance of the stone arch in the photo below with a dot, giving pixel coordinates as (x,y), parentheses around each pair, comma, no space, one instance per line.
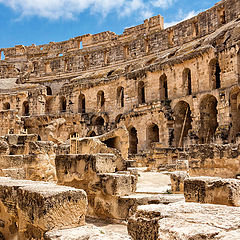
(163,87)
(182,122)
(214,74)
(100,100)
(25,108)
(63,104)
(141,93)
(81,103)
(49,91)
(152,134)
(133,140)
(187,81)
(120,97)
(208,118)
(6,106)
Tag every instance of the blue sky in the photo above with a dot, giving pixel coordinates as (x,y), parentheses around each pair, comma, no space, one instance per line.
(26,22)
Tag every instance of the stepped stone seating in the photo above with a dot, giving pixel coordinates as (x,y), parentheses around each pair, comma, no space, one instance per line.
(29,209)
(212,190)
(185,221)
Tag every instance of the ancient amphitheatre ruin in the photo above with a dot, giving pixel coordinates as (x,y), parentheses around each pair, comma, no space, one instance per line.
(131,136)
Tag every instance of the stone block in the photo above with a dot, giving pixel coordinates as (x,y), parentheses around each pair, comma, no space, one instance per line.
(177,181)
(118,184)
(190,221)
(212,190)
(28,209)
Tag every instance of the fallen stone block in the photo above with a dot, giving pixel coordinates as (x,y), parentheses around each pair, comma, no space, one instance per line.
(28,209)
(212,190)
(177,181)
(184,221)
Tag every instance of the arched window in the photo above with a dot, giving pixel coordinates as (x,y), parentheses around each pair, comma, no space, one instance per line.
(141,93)
(152,134)
(6,106)
(81,103)
(214,74)
(163,87)
(100,100)
(49,91)
(120,97)
(133,141)
(187,81)
(63,104)
(25,108)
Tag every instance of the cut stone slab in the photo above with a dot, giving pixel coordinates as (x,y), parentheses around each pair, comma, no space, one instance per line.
(184,221)
(28,209)
(212,190)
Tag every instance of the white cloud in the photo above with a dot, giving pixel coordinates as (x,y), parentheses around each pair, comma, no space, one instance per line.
(181,17)
(163,3)
(68,9)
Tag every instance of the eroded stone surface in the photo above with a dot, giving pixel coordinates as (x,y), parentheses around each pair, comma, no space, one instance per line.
(184,221)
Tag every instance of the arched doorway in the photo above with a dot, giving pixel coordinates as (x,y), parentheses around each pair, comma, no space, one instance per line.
(133,140)
(208,118)
(141,93)
(49,91)
(182,123)
(81,103)
(25,108)
(120,97)
(152,134)
(214,74)
(163,87)
(63,104)
(6,106)
(187,82)
(100,100)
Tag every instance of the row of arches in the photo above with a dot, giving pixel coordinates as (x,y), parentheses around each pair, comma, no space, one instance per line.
(25,107)
(182,124)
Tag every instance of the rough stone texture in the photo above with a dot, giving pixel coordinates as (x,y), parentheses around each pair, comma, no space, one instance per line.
(212,190)
(29,209)
(184,221)
(97,175)
(83,233)
(177,181)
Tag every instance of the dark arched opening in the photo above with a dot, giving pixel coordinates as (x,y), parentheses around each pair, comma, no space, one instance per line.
(141,93)
(208,118)
(6,106)
(133,141)
(99,121)
(63,104)
(152,134)
(100,100)
(214,74)
(163,87)
(120,97)
(118,118)
(182,123)
(187,81)
(81,103)
(49,91)
(26,108)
